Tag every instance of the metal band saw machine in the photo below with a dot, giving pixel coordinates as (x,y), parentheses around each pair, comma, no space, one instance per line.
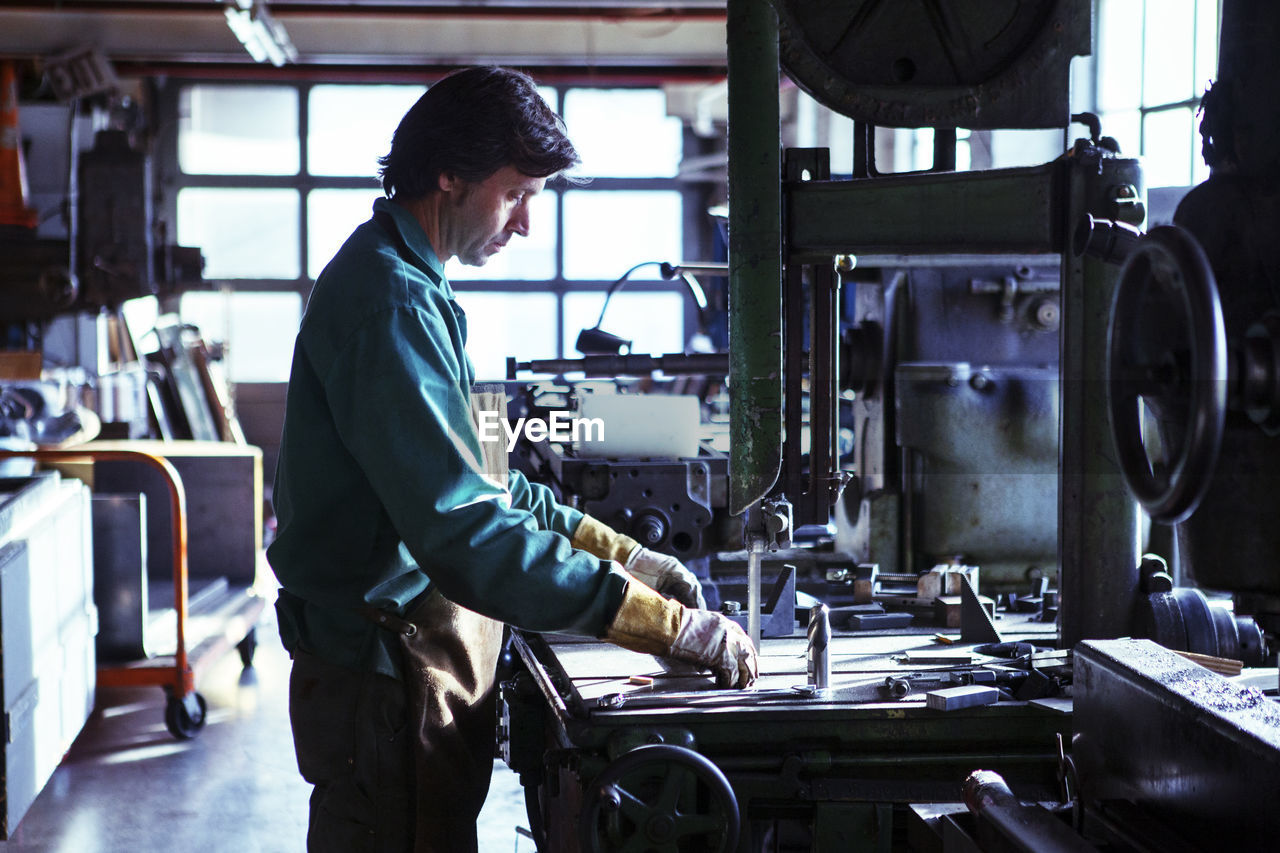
(998,502)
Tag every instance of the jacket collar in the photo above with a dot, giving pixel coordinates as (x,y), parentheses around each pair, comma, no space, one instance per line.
(415,241)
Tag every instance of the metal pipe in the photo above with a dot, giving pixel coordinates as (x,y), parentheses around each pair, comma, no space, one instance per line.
(890,758)
(677,364)
(908,513)
(695,268)
(793,300)
(823,367)
(1020,827)
(338,9)
(540,676)
(1105,239)
(1098,520)
(986,788)
(755,553)
(755,253)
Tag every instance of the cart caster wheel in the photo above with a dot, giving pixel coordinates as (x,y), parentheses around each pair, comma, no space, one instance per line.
(247,647)
(185,717)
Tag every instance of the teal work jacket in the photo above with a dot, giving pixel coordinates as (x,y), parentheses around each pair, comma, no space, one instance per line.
(378,494)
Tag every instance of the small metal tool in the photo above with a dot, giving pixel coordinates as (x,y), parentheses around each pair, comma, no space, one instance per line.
(819,652)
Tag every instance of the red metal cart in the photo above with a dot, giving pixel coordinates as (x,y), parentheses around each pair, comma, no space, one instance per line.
(176,674)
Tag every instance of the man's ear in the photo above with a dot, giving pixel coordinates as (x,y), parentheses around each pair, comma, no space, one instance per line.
(447,181)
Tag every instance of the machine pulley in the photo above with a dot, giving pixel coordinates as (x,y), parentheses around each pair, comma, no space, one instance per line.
(660,797)
(1189,381)
(1167,284)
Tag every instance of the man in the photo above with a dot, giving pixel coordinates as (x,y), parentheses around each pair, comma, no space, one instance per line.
(403,542)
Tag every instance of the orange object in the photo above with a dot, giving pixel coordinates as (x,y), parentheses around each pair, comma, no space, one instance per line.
(177,673)
(13,171)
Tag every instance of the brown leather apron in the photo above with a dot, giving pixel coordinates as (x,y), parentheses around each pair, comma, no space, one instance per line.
(450,664)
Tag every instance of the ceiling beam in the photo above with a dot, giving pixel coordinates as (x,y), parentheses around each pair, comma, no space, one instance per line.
(710,10)
(195,35)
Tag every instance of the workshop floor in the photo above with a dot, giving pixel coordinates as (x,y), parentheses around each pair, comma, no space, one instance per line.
(128,785)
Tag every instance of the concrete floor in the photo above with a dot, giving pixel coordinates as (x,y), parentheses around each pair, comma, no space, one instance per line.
(128,785)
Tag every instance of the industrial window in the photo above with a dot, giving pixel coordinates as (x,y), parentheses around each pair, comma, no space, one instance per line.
(623,133)
(350,127)
(630,316)
(254,318)
(901,150)
(609,231)
(502,324)
(244,232)
(271,179)
(1154,62)
(237,131)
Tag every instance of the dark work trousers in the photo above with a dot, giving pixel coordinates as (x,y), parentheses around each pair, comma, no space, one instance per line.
(401,766)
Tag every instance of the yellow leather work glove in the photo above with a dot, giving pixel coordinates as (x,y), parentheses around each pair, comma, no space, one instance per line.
(668,576)
(662,572)
(648,623)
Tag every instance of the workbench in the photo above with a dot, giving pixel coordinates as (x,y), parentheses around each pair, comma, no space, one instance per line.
(617,753)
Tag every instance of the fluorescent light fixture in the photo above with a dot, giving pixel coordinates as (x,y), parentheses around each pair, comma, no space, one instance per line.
(262,35)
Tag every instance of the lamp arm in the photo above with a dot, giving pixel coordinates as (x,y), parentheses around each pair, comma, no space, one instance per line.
(617,285)
(684,271)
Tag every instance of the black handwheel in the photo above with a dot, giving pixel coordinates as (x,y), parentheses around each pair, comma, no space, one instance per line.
(185,716)
(1166,282)
(247,647)
(661,798)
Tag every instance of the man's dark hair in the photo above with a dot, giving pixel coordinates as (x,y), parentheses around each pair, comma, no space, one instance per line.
(471,124)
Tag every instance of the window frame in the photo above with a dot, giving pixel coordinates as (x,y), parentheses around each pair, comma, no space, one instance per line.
(1196,170)
(697,229)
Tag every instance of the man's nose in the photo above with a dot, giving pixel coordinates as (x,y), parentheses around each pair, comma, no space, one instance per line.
(519,221)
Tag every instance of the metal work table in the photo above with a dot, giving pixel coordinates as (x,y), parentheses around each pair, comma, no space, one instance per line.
(834,767)
(598,670)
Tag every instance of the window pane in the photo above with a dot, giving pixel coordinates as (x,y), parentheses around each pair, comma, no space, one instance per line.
(243,233)
(257,330)
(653,322)
(1010,147)
(623,133)
(519,325)
(140,315)
(913,149)
(840,143)
(1119,55)
(531,258)
(1167,148)
(331,217)
(350,127)
(1206,44)
(238,130)
(1199,168)
(1126,129)
(1168,52)
(607,232)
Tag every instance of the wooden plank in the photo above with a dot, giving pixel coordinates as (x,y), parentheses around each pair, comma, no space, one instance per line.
(17,365)
(1222,666)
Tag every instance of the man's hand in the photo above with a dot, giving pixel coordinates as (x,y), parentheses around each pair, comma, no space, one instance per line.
(656,571)
(668,576)
(715,642)
(648,623)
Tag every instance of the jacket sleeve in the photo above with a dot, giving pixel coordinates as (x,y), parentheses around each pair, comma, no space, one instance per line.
(395,391)
(539,500)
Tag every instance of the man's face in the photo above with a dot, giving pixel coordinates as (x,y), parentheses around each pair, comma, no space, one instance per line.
(487,213)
